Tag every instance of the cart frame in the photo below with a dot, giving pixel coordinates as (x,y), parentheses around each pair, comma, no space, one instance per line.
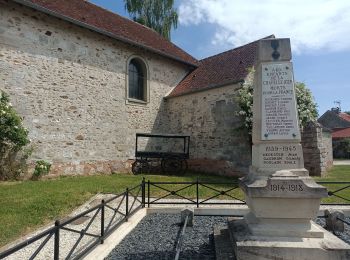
(171,162)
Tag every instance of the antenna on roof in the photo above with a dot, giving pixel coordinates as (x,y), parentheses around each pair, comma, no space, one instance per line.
(338,104)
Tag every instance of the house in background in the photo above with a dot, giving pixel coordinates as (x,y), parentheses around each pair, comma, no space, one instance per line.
(339,124)
(86,80)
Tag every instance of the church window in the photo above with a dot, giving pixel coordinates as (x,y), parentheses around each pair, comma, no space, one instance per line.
(137,83)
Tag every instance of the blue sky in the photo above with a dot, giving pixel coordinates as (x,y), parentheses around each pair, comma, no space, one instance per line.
(319,32)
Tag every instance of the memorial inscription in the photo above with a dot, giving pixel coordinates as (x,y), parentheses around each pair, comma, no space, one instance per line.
(286,187)
(279,118)
(280,155)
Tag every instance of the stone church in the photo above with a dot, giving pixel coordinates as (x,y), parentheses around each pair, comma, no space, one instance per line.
(86,80)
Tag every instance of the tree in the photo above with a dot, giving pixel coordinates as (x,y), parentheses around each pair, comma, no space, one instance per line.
(307,108)
(159,15)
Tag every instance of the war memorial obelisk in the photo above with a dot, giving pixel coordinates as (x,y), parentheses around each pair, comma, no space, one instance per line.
(282,198)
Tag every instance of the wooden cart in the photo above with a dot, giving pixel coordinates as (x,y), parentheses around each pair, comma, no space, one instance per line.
(173,161)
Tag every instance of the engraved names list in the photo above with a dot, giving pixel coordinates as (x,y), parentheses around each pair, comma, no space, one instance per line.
(279,118)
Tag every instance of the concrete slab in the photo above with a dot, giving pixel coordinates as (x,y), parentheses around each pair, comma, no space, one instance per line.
(249,247)
(341,162)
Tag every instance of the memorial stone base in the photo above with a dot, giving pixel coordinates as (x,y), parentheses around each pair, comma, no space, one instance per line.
(259,247)
(279,225)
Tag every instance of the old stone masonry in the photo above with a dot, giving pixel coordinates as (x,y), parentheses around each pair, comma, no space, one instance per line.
(86,80)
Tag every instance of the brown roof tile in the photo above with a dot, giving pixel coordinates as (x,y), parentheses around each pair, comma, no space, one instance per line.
(345,116)
(341,133)
(225,68)
(219,70)
(110,23)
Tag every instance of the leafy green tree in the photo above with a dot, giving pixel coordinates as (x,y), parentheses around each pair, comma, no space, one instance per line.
(159,15)
(307,108)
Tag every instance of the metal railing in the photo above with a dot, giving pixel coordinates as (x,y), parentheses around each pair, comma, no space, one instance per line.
(172,191)
(335,191)
(120,214)
(130,201)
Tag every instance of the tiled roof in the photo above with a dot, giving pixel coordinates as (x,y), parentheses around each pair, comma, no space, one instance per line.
(332,119)
(222,69)
(345,116)
(96,18)
(341,133)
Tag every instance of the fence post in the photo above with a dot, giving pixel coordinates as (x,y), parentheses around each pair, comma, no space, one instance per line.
(56,252)
(103,222)
(148,192)
(143,192)
(126,204)
(197,192)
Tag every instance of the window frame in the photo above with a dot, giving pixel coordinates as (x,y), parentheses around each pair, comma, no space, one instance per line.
(145,70)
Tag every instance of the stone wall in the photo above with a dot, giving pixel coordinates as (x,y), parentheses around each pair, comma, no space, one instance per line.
(317,149)
(69,85)
(209,117)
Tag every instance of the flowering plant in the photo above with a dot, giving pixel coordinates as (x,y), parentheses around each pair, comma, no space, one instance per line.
(12,132)
(41,168)
(13,136)
(307,108)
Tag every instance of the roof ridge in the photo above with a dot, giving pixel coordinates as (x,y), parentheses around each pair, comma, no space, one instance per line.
(106,22)
(136,23)
(123,17)
(239,47)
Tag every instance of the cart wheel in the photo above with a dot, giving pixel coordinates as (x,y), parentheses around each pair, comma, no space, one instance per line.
(174,166)
(139,167)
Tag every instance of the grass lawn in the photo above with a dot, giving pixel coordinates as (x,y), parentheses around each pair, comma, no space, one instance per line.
(24,206)
(338,173)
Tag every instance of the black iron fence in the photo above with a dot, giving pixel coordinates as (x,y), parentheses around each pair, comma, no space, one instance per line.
(190,193)
(124,205)
(338,192)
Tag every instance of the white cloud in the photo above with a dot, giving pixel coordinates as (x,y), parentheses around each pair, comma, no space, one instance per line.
(311,24)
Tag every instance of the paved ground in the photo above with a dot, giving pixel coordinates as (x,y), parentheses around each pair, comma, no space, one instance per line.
(341,162)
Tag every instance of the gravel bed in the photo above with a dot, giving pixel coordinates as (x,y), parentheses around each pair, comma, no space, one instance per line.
(156,235)
(345,236)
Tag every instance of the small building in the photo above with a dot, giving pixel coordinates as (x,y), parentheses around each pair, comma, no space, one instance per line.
(341,142)
(339,124)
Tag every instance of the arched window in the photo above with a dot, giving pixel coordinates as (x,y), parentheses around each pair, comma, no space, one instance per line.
(137,80)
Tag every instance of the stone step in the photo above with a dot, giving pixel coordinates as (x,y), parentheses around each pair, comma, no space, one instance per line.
(223,245)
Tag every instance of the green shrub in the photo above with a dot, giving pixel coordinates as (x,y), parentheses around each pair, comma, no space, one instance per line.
(41,168)
(306,106)
(13,137)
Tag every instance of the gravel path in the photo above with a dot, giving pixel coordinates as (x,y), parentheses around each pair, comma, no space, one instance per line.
(341,162)
(345,236)
(156,235)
